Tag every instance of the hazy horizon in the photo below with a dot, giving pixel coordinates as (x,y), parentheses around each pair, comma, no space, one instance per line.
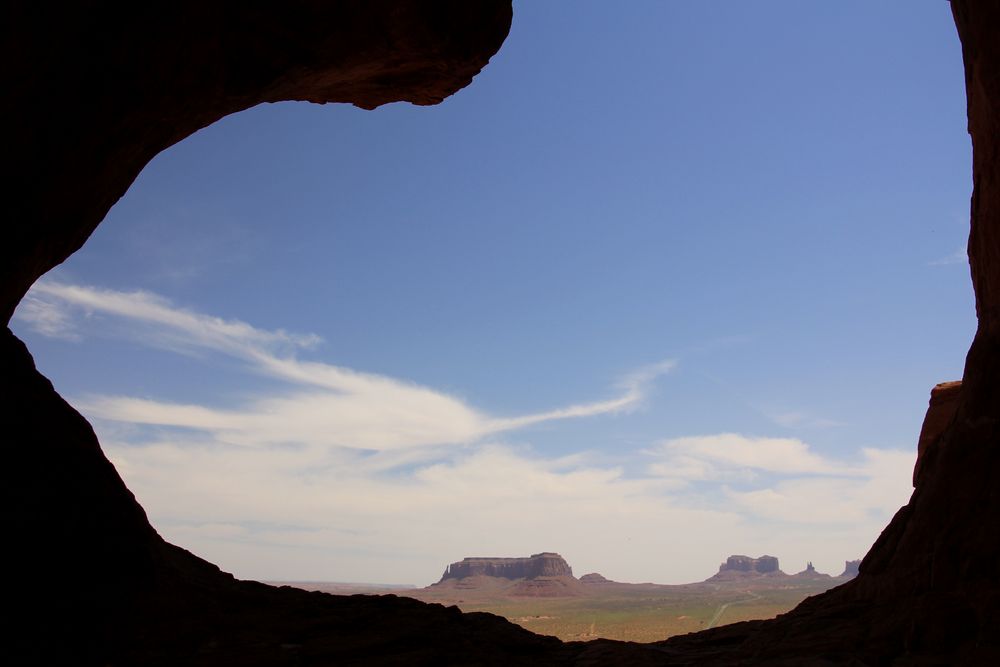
(404,585)
(649,292)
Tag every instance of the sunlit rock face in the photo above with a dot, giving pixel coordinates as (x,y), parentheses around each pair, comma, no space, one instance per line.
(93,91)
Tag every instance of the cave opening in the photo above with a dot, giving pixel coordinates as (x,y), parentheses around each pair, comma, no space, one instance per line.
(454,249)
(571,266)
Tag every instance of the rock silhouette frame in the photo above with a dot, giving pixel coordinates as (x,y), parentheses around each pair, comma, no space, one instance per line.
(95,90)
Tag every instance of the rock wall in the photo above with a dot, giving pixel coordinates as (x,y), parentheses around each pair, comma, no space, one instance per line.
(940,411)
(545,564)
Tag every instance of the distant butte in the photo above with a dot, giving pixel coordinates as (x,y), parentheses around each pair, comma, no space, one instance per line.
(811,573)
(851,568)
(544,564)
(741,567)
(548,574)
(545,574)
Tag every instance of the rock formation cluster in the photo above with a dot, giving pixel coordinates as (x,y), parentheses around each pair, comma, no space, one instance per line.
(738,568)
(545,564)
(94,91)
(811,573)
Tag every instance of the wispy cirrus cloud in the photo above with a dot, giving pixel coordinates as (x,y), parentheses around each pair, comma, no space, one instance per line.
(960,256)
(872,487)
(712,456)
(784,479)
(46,318)
(169,324)
(633,387)
(323,404)
(799,419)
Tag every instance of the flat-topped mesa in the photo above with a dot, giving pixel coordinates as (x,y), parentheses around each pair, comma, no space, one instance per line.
(745,566)
(762,565)
(545,564)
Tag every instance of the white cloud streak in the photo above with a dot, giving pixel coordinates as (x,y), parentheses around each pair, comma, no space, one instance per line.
(45,318)
(716,455)
(329,405)
(960,256)
(788,481)
(796,419)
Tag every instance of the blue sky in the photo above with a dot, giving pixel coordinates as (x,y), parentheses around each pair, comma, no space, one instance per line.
(669,281)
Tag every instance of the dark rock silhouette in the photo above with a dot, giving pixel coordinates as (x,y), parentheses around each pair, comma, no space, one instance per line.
(545,564)
(94,91)
(940,411)
(595,578)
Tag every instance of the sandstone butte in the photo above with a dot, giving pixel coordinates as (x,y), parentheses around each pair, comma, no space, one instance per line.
(545,564)
(93,91)
(851,568)
(762,565)
(743,568)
